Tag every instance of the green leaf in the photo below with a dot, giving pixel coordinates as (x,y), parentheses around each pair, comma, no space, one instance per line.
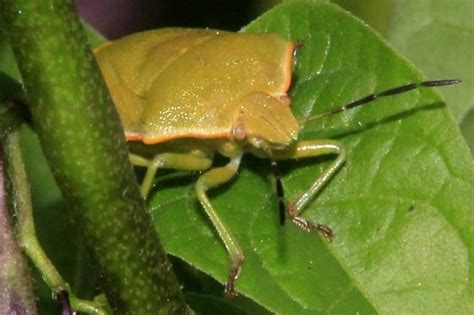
(401,208)
(438,36)
(376,13)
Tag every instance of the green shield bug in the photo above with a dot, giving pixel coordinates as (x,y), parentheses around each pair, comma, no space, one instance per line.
(184,95)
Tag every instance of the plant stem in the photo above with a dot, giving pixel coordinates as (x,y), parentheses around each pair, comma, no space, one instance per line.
(26,233)
(16,291)
(84,144)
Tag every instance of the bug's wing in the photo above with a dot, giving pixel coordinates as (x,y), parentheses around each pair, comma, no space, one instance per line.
(131,64)
(198,95)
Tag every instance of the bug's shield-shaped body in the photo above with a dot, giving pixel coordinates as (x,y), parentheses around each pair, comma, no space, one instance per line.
(185,94)
(181,83)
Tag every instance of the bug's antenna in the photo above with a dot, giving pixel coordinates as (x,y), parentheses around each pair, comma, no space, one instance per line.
(372,97)
(279,190)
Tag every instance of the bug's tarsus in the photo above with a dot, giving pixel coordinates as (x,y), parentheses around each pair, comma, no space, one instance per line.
(279,190)
(306,225)
(234,272)
(64,304)
(374,96)
(324,230)
(229,287)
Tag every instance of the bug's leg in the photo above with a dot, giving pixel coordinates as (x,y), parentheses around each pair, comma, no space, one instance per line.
(210,179)
(177,161)
(314,148)
(152,166)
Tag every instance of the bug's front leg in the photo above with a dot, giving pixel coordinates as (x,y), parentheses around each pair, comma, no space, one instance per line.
(210,179)
(305,149)
(176,161)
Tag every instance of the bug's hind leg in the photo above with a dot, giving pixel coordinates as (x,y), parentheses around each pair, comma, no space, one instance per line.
(210,179)
(177,161)
(305,149)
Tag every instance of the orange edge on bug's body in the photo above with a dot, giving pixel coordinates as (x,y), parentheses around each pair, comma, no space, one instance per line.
(289,67)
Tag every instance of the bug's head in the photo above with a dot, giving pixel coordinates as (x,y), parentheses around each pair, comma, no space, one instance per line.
(265,122)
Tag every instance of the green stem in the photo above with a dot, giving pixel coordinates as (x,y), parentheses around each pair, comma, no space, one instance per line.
(26,233)
(16,290)
(84,144)
(23,210)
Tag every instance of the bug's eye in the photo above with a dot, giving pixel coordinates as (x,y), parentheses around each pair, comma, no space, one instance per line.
(239,132)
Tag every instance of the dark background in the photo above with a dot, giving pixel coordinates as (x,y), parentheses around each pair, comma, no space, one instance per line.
(115,18)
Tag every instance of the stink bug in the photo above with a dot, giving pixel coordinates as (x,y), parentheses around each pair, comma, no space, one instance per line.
(185,94)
